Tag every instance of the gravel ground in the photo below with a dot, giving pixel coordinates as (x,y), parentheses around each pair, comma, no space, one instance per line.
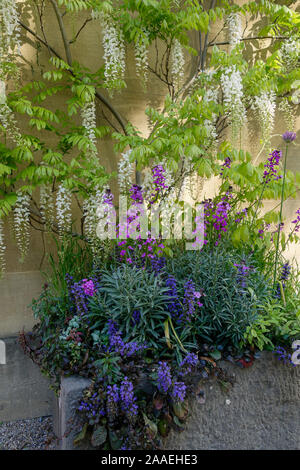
(27,434)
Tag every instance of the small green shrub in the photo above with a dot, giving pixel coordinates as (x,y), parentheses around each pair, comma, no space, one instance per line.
(136,299)
(231,300)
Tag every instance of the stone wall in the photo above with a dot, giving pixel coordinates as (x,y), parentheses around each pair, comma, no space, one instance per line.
(24,392)
(260,412)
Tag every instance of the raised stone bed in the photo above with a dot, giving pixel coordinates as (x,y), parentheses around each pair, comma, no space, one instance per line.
(24,391)
(261,410)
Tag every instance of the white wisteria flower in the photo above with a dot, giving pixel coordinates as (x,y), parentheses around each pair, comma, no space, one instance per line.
(141,58)
(63,209)
(289,53)
(2,92)
(90,207)
(264,106)
(234,26)
(47,204)
(22,223)
(2,247)
(114,49)
(232,86)
(177,63)
(88,116)
(125,172)
(9,28)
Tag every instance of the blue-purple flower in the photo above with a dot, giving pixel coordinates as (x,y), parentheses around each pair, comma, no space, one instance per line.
(128,400)
(289,136)
(164,379)
(178,391)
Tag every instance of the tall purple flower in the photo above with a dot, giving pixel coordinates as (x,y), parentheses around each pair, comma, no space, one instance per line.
(243,271)
(189,299)
(159,181)
(174,306)
(112,400)
(297,221)
(128,400)
(164,379)
(272,167)
(285,272)
(226,164)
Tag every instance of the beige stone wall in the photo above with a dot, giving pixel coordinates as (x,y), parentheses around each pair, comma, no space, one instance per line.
(23,281)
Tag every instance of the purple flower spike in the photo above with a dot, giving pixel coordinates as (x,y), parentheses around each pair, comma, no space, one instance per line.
(289,136)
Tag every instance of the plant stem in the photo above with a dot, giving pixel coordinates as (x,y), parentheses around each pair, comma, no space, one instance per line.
(280,216)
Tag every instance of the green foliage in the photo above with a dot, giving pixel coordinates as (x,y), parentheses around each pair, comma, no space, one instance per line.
(228,307)
(128,289)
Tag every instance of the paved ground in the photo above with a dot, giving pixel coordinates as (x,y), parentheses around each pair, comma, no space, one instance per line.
(27,434)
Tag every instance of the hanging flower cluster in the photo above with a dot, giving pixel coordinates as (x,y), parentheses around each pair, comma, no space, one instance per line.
(63,209)
(289,112)
(234,25)
(7,120)
(141,58)
(21,223)
(2,247)
(47,204)
(125,172)
(231,81)
(264,105)
(114,50)
(289,53)
(177,63)
(92,207)
(88,116)
(9,28)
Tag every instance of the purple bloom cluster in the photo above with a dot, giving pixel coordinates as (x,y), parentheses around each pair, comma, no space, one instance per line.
(159,182)
(289,136)
(241,215)
(188,364)
(117,344)
(128,400)
(297,221)
(216,215)
(272,167)
(189,299)
(136,316)
(226,164)
(178,391)
(136,193)
(92,406)
(157,264)
(88,287)
(108,197)
(285,272)
(283,355)
(164,379)
(112,400)
(243,271)
(174,307)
